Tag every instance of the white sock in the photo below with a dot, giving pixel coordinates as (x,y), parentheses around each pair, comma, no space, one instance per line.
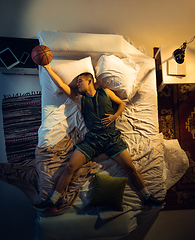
(56,195)
(145,192)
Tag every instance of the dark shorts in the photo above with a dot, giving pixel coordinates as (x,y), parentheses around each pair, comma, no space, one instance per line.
(95,144)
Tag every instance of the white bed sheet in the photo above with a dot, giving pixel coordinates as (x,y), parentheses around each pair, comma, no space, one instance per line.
(151,155)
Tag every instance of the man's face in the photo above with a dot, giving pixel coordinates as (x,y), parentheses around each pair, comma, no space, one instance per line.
(82,84)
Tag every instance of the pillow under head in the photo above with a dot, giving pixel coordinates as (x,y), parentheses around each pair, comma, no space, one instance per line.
(69,71)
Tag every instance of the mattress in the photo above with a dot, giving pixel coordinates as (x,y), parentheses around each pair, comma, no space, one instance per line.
(160,162)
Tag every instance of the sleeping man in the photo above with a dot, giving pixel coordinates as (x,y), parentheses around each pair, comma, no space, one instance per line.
(102,137)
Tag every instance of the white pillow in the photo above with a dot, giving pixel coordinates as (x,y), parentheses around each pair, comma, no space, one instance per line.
(117,74)
(69,71)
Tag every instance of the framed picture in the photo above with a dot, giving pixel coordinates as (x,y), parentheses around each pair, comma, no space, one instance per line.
(8,58)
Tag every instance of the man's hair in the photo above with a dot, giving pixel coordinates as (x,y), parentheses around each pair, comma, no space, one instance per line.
(87,75)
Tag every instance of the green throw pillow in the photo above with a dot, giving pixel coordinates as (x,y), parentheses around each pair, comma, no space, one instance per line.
(108,191)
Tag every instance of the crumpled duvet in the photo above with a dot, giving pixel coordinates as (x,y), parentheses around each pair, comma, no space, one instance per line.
(37,178)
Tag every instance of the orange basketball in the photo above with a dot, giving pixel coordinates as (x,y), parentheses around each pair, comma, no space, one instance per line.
(41,55)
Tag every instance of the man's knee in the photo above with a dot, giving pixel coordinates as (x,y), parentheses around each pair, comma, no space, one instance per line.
(69,168)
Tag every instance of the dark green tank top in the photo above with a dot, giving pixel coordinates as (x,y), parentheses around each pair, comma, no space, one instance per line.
(93,110)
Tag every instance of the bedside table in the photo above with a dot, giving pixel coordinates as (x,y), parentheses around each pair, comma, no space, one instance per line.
(163,75)
(18,46)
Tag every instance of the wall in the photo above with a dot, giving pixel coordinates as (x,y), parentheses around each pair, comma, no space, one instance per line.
(147,22)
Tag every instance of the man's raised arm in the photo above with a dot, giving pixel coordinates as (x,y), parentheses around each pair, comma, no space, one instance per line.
(59,83)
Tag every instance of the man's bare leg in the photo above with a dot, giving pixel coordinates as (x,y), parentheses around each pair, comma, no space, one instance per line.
(76,161)
(124,159)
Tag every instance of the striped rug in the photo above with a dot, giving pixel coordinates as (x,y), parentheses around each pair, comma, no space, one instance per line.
(21,121)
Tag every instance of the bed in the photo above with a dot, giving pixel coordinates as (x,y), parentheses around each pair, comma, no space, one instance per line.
(130,73)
